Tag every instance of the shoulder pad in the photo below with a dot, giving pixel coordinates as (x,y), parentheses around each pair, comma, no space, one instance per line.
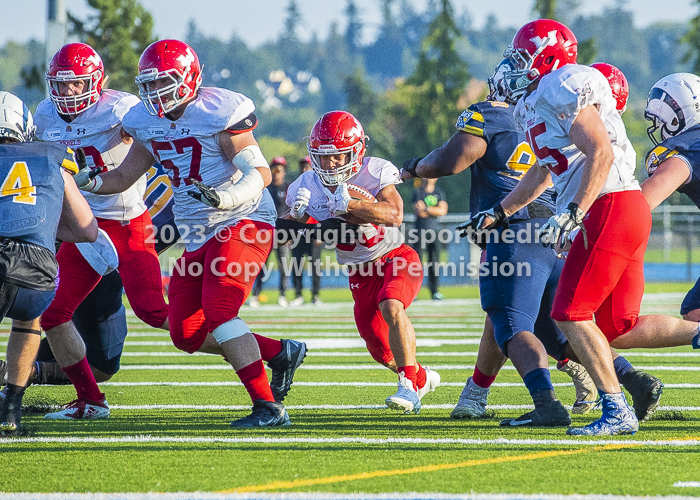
(471,121)
(657,156)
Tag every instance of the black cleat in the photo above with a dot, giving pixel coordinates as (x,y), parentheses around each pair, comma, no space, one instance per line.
(548,412)
(646,392)
(283,367)
(265,414)
(10,415)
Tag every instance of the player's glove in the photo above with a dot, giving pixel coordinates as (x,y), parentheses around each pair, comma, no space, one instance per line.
(301,203)
(409,166)
(475,230)
(341,200)
(210,196)
(556,232)
(86,179)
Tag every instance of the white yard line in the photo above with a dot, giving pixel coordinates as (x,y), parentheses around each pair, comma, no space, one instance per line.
(344,407)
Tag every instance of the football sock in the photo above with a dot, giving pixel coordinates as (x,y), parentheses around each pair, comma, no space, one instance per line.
(561,363)
(410,373)
(421,377)
(14,391)
(483,381)
(83,380)
(269,348)
(538,380)
(622,368)
(254,378)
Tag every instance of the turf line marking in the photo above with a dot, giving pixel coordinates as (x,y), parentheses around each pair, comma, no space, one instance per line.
(680,442)
(687,484)
(345,384)
(344,407)
(375,367)
(278,485)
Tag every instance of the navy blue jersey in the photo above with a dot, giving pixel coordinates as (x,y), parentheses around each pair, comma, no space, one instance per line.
(508,156)
(685,146)
(31,191)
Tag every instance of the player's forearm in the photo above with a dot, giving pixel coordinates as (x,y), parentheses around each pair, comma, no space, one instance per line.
(382,212)
(115,181)
(530,187)
(456,155)
(595,173)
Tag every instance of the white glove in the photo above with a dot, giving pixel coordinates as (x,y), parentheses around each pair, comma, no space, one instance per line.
(301,203)
(86,179)
(341,200)
(557,230)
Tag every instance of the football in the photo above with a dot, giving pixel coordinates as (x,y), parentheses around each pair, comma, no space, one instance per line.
(358,193)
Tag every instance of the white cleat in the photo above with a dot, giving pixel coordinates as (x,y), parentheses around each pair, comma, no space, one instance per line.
(406,398)
(432,380)
(282,301)
(82,409)
(472,401)
(296,302)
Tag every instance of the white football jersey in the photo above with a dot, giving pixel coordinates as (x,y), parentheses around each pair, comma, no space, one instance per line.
(98,131)
(547,114)
(189,148)
(374,176)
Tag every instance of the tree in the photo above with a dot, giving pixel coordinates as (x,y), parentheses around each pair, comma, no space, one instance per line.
(692,39)
(353,32)
(291,23)
(120,31)
(545,9)
(427,104)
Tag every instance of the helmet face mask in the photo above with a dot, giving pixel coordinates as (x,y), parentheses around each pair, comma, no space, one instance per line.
(498,84)
(16,122)
(73,63)
(336,133)
(537,49)
(673,106)
(169,75)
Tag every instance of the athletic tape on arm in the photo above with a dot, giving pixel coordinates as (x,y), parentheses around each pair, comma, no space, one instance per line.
(251,184)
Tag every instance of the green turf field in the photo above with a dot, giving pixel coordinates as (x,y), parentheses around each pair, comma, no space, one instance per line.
(169,430)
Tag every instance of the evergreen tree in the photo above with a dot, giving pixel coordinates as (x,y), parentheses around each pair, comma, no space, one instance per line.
(545,9)
(353,32)
(692,39)
(120,31)
(427,102)
(291,23)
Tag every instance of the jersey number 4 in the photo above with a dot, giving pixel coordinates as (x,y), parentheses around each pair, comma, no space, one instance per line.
(545,152)
(180,145)
(18,184)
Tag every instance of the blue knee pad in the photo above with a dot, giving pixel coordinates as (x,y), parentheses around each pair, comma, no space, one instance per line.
(104,344)
(692,299)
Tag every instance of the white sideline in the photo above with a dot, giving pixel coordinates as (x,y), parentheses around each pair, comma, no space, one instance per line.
(687,484)
(376,367)
(346,384)
(200,495)
(345,407)
(357,440)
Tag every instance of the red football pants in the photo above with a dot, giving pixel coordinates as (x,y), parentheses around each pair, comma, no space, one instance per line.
(139,270)
(607,279)
(397,275)
(209,285)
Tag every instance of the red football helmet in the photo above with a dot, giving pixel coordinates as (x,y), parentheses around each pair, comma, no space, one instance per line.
(75,61)
(169,73)
(335,133)
(538,48)
(618,83)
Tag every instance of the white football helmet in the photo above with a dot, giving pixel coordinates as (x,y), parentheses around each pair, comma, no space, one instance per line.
(498,84)
(16,122)
(673,105)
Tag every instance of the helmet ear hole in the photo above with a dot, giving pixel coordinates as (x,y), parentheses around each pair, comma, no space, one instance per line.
(549,60)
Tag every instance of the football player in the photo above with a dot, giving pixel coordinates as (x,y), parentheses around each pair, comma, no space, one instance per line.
(572,124)
(82,114)
(674,161)
(386,273)
(203,137)
(38,203)
(490,139)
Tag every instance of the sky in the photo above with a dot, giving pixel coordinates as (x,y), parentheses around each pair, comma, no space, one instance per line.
(258,21)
